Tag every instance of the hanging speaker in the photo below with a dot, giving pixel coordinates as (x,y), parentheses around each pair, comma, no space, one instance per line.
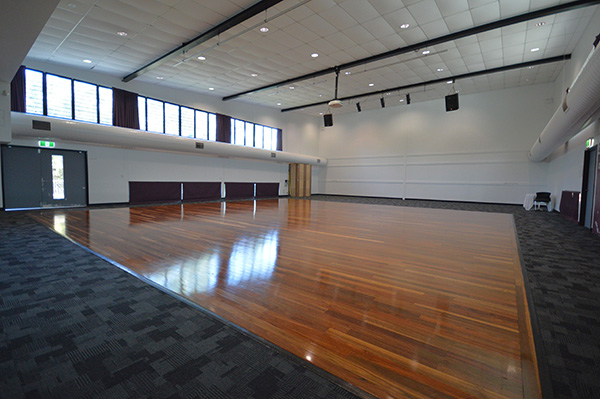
(328,120)
(452,102)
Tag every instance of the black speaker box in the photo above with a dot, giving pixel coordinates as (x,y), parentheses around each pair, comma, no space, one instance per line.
(328,120)
(452,102)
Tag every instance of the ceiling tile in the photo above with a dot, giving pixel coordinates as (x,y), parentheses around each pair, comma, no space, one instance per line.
(460,21)
(451,7)
(425,11)
(360,10)
(318,25)
(487,13)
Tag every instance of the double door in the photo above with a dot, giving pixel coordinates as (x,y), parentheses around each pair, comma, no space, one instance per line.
(300,178)
(37,177)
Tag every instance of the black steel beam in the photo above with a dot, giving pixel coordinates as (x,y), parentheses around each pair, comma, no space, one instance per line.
(428,43)
(209,34)
(448,78)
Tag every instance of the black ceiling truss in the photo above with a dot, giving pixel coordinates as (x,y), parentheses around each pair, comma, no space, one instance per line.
(446,79)
(209,34)
(428,43)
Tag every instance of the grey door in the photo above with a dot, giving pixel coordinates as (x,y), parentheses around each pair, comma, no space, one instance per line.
(21,168)
(35,177)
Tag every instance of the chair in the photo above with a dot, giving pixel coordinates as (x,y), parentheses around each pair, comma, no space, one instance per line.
(542,198)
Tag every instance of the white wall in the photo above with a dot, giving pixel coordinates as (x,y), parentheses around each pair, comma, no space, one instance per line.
(565,172)
(477,153)
(110,169)
(4,112)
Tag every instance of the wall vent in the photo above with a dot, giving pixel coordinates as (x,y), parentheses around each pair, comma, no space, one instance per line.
(200,145)
(273,155)
(40,125)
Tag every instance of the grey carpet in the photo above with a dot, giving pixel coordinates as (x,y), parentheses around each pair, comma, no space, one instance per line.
(75,326)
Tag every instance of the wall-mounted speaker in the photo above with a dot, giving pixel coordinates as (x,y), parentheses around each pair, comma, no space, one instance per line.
(452,102)
(328,120)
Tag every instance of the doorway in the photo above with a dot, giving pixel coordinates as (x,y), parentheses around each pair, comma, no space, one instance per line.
(588,187)
(39,178)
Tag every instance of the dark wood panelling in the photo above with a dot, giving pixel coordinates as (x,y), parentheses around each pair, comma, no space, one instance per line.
(264,190)
(239,190)
(145,192)
(198,191)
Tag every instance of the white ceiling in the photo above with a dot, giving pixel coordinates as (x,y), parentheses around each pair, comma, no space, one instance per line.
(340,31)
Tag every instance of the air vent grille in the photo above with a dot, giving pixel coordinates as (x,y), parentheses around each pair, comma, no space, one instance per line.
(41,125)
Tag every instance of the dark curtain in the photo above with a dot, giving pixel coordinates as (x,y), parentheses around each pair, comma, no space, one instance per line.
(279,140)
(239,190)
(264,190)
(144,192)
(223,128)
(17,91)
(125,109)
(197,191)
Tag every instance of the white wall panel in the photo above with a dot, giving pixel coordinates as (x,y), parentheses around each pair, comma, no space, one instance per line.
(565,172)
(111,169)
(478,153)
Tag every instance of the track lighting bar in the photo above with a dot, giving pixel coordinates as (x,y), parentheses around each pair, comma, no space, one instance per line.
(431,82)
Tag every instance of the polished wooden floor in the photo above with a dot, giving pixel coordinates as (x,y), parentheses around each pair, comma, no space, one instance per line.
(400,302)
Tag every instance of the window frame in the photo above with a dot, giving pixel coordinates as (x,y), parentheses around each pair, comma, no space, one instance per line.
(72,82)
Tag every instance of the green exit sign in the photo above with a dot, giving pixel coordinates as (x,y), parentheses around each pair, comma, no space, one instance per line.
(47,144)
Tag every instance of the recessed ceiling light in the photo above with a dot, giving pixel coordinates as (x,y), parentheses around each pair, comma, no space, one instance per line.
(449,82)
(87,61)
(211,88)
(404,26)
(425,52)
(533,50)
(401,100)
(159,77)
(278,103)
(314,55)
(531,67)
(202,58)
(542,23)
(320,95)
(371,84)
(254,75)
(388,94)
(320,113)
(122,33)
(347,73)
(72,5)
(264,29)
(292,87)
(440,69)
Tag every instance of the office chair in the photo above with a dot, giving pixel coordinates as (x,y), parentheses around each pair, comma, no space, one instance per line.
(542,198)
